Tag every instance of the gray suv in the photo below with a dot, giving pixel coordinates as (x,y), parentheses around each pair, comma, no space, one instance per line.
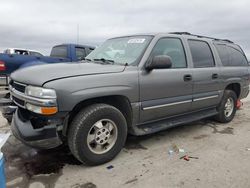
(137,84)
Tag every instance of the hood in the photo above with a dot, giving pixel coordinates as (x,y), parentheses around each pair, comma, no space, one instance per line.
(38,75)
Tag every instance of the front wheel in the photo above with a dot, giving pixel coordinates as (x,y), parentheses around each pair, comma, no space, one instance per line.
(97,134)
(227,107)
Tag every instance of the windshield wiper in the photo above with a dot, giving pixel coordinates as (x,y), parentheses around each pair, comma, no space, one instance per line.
(105,61)
(87,59)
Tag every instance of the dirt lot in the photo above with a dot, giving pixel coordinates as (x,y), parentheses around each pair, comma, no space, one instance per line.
(222,151)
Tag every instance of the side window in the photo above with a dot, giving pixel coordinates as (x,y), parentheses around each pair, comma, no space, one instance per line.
(236,57)
(80,53)
(223,54)
(201,54)
(172,47)
(89,50)
(231,56)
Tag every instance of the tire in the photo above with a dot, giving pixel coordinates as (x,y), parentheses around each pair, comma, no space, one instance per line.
(85,124)
(222,117)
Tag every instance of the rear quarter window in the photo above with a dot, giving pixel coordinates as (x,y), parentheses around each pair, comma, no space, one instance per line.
(231,56)
(201,54)
(237,57)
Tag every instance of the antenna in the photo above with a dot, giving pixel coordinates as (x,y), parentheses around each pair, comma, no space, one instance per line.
(77,39)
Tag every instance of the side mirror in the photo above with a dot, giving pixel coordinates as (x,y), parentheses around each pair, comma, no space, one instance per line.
(160,62)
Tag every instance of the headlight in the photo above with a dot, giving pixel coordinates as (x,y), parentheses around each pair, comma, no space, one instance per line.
(40,92)
(42,95)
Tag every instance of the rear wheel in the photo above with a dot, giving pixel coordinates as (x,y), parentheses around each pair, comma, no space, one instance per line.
(97,134)
(227,107)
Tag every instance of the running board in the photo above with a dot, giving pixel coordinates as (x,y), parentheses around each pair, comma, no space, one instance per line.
(157,126)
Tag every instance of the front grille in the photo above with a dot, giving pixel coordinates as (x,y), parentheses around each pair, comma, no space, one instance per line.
(19,87)
(19,102)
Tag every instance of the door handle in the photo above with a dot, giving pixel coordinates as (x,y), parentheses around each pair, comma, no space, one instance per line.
(215,76)
(187,77)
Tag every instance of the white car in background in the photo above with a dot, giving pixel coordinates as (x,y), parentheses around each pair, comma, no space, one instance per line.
(22,52)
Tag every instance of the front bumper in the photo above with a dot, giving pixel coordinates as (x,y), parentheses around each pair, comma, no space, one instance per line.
(45,137)
(7,107)
(4,79)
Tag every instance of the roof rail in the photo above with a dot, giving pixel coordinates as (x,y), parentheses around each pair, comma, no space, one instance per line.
(180,33)
(201,36)
(225,40)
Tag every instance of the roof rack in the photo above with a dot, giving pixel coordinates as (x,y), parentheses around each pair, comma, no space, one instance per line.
(180,33)
(200,36)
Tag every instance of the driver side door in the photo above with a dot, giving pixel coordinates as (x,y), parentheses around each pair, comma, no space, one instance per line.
(166,92)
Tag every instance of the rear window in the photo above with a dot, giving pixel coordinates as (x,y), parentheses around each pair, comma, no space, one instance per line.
(80,53)
(89,50)
(231,56)
(21,52)
(59,51)
(201,54)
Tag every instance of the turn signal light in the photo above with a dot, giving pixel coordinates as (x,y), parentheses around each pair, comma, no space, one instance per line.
(48,110)
(41,109)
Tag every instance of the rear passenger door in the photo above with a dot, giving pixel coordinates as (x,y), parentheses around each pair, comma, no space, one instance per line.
(206,75)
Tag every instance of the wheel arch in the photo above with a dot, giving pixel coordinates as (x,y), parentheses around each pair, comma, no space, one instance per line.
(120,102)
(236,87)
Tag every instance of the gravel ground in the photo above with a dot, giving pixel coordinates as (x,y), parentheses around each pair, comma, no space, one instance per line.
(222,151)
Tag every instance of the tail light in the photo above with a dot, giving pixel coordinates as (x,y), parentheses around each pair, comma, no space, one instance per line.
(2,66)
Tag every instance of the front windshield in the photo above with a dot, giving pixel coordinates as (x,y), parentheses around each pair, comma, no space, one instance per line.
(124,50)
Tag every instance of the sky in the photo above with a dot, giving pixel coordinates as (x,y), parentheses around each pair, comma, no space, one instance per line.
(39,25)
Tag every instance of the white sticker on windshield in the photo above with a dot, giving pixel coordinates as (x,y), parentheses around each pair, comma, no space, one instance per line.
(136,41)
